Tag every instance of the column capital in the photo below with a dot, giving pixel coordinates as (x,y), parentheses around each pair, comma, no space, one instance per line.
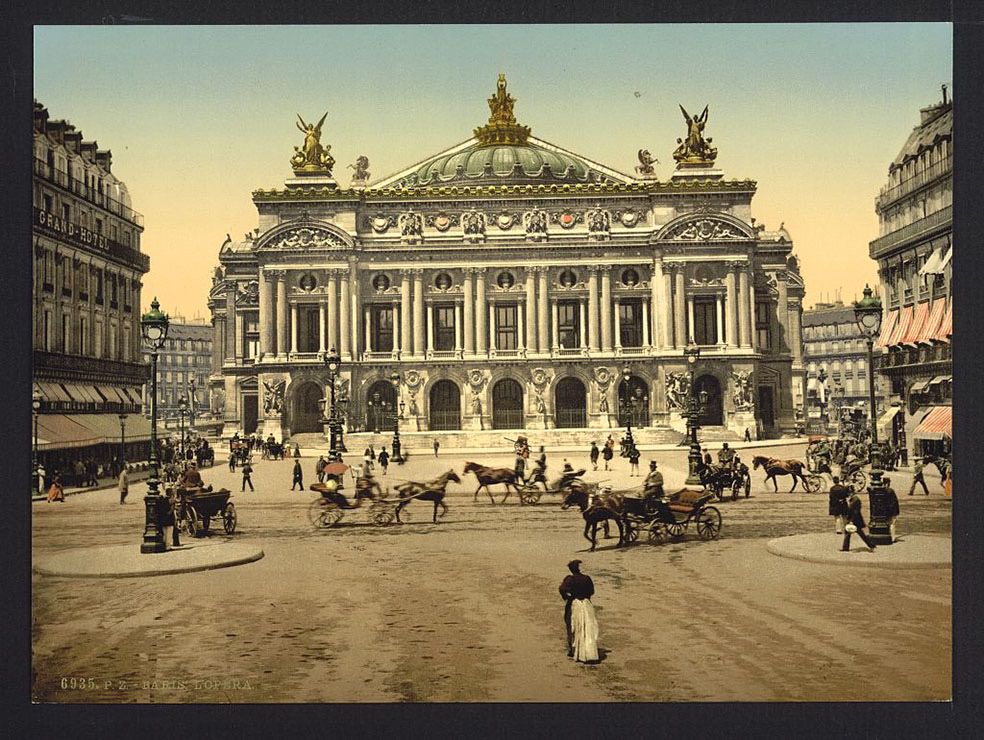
(417,272)
(736,265)
(674,265)
(406,271)
(277,274)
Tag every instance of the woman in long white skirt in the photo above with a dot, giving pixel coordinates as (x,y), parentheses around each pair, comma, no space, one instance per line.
(584,627)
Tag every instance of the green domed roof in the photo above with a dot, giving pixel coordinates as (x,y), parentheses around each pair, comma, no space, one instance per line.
(502,163)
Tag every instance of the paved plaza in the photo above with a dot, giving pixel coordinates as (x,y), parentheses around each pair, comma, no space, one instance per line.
(468,609)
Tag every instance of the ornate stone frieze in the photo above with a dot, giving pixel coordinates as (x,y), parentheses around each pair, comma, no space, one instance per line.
(249,294)
(677,390)
(473,224)
(742,390)
(535,224)
(704,229)
(599,224)
(305,238)
(411,227)
(441,221)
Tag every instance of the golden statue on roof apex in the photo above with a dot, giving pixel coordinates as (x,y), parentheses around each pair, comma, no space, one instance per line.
(695,150)
(502,127)
(312,157)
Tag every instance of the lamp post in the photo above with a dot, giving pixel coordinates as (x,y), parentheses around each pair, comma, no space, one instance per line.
(396,456)
(332,364)
(374,412)
(695,407)
(36,411)
(868,315)
(191,408)
(122,418)
(625,400)
(182,411)
(153,327)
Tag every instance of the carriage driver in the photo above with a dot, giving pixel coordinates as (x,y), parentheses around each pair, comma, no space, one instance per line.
(653,487)
(191,478)
(366,486)
(726,456)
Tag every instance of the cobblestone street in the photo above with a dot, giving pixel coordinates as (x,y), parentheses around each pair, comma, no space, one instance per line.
(468,609)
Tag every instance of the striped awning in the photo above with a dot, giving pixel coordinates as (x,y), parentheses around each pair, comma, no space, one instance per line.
(905,319)
(946,326)
(914,332)
(932,326)
(54,393)
(888,325)
(937,424)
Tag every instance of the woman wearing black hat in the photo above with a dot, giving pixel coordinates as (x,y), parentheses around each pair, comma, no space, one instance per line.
(579,616)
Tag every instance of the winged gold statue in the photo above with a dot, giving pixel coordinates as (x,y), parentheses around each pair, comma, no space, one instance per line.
(695,149)
(312,156)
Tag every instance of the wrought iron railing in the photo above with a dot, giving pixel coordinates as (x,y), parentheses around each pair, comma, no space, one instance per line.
(507,419)
(935,220)
(571,418)
(65,180)
(445,420)
(891,194)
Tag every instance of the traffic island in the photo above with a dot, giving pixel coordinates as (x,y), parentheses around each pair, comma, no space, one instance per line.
(126,561)
(910,551)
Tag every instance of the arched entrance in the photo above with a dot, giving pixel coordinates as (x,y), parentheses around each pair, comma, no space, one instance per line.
(380,406)
(713,415)
(633,402)
(570,404)
(507,405)
(307,414)
(445,406)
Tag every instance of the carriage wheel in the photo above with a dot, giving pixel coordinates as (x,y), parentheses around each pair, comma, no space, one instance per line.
(858,481)
(529,495)
(323,514)
(676,529)
(748,485)
(191,521)
(657,533)
(813,483)
(735,489)
(631,531)
(821,483)
(709,524)
(229,518)
(383,515)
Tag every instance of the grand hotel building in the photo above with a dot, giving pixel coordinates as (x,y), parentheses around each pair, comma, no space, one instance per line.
(508,282)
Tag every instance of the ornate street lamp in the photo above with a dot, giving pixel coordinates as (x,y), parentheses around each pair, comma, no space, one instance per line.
(396,456)
(122,418)
(374,408)
(191,408)
(868,315)
(36,411)
(625,400)
(695,409)
(153,327)
(182,411)
(333,364)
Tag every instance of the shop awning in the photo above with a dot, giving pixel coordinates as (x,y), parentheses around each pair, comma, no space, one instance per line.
(919,386)
(932,325)
(133,394)
(937,424)
(946,325)
(905,318)
(914,331)
(107,426)
(62,432)
(885,420)
(888,325)
(54,393)
(939,379)
(934,264)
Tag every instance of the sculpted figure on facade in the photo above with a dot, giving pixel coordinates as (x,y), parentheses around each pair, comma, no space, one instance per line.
(312,156)
(646,162)
(361,167)
(695,149)
(476,405)
(535,223)
(742,380)
(538,405)
(474,225)
(677,390)
(599,224)
(342,390)
(273,396)
(411,226)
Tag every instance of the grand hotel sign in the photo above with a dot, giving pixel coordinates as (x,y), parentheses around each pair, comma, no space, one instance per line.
(83,237)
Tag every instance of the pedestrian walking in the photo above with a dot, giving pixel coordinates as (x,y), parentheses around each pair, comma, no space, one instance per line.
(232,461)
(856,524)
(247,475)
(917,477)
(633,462)
(609,452)
(368,458)
(56,492)
(41,479)
(372,453)
(748,435)
(297,450)
(124,484)
(319,468)
(579,616)
(437,446)
(594,455)
(837,506)
(298,476)
(384,460)
(892,500)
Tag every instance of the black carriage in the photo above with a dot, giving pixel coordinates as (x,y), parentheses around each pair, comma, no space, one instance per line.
(194,510)
(330,507)
(670,517)
(727,482)
(531,491)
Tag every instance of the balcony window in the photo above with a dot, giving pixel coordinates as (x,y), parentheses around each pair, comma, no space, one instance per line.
(630,323)
(444,327)
(568,324)
(763,326)
(382,328)
(705,320)
(506,328)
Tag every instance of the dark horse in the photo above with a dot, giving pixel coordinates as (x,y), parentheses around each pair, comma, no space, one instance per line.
(489,477)
(774,467)
(432,491)
(600,512)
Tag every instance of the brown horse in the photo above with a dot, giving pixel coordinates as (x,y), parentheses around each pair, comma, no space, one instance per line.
(432,491)
(489,477)
(774,467)
(599,511)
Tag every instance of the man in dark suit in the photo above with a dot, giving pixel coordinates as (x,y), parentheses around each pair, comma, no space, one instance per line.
(575,586)
(838,504)
(893,506)
(857,524)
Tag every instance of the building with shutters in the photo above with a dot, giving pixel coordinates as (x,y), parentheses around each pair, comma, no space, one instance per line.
(88,364)
(508,281)
(914,252)
(184,365)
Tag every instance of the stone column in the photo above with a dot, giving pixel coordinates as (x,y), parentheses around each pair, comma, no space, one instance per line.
(266,315)
(480,311)
(656,300)
(238,334)
(752,340)
(679,307)
(593,324)
(331,330)
(492,323)
(555,333)
(468,304)
(732,305)
(782,311)
(430,330)
(618,326)
(418,312)
(367,329)
(542,323)
(355,313)
(293,328)
(793,320)
(719,308)
(668,306)
(520,337)
(344,320)
(322,316)
(230,323)
(530,339)
(397,325)
(582,326)
(459,324)
(741,308)
(406,347)
(646,312)
(281,312)
(606,310)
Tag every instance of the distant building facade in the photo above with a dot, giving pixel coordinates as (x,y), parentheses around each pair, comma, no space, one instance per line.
(183,368)
(509,281)
(87,277)
(914,253)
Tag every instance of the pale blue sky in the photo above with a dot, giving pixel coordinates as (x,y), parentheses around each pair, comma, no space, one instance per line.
(199,116)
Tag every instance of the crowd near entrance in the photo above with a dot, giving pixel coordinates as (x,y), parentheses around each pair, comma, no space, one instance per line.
(445,406)
(507,405)
(570,402)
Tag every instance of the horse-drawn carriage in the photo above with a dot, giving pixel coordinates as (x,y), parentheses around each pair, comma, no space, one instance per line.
(194,509)
(774,467)
(726,480)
